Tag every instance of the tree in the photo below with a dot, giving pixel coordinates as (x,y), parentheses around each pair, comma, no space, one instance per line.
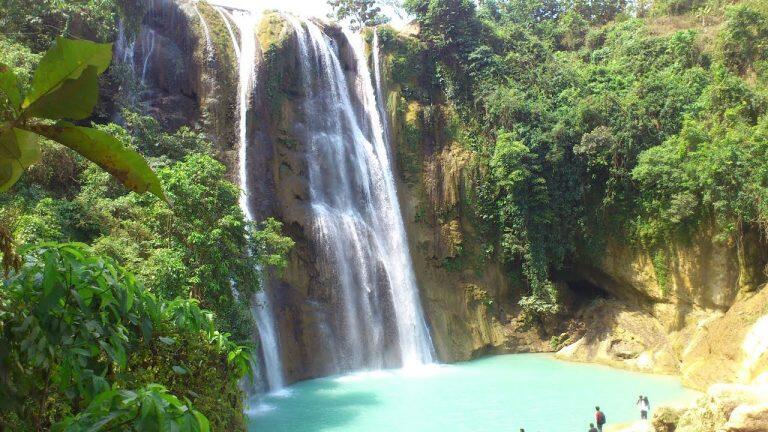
(743,38)
(600,11)
(70,320)
(455,36)
(360,13)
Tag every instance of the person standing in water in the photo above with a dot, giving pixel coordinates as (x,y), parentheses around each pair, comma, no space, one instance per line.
(647,406)
(592,427)
(599,419)
(643,406)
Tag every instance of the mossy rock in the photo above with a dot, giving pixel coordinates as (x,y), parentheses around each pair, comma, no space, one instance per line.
(273,31)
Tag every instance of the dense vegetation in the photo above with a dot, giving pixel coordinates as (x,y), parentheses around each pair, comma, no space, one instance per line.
(118,311)
(639,121)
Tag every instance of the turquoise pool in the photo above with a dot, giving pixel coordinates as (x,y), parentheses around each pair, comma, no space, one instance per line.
(499,393)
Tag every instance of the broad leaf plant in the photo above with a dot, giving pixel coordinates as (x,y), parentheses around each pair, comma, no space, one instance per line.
(64,88)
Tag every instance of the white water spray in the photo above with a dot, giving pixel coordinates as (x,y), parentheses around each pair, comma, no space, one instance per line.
(415,341)
(380,96)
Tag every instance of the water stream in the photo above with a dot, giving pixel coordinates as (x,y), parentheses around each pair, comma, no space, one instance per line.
(262,307)
(208,43)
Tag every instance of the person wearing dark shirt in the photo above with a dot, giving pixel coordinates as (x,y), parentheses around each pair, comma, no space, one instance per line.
(592,428)
(599,419)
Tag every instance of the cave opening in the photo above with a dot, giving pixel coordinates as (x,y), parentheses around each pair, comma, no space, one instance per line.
(585,289)
(580,291)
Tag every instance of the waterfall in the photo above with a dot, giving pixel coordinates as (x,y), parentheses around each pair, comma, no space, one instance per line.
(224,18)
(262,309)
(358,229)
(415,341)
(206,31)
(380,97)
(125,51)
(149,39)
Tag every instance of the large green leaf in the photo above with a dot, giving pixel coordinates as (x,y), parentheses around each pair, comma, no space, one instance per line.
(10,171)
(74,99)
(9,146)
(128,166)
(205,425)
(67,60)
(18,150)
(9,89)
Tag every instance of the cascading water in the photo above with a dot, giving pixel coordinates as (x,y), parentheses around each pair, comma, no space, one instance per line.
(262,309)
(125,50)
(380,101)
(206,31)
(149,41)
(224,17)
(357,225)
(415,342)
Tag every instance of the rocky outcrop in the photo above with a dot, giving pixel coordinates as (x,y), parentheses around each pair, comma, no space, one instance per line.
(724,408)
(178,60)
(469,299)
(695,302)
(618,336)
(729,348)
(683,282)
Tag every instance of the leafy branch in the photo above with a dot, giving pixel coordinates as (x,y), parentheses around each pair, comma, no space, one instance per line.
(65,87)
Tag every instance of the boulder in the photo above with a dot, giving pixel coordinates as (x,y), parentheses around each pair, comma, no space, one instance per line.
(748,418)
(665,419)
(619,336)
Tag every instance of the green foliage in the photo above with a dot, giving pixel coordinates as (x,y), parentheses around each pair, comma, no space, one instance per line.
(452,32)
(192,367)
(270,245)
(660,267)
(70,318)
(151,360)
(21,61)
(64,86)
(360,13)
(35,23)
(150,408)
(677,7)
(145,134)
(588,124)
(744,38)
(519,197)
(199,247)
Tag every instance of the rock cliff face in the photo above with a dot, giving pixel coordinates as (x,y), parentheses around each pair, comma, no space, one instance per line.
(688,312)
(181,55)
